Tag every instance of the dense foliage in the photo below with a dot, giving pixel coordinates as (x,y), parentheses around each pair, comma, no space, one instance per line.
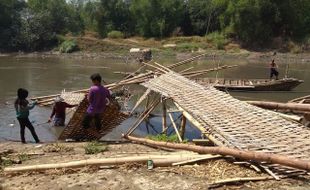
(34,24)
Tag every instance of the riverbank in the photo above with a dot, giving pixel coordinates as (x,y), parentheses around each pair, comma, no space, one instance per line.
(90,46)
(126,176)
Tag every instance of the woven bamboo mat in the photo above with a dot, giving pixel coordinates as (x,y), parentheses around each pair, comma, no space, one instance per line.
(111,118)
(234,123)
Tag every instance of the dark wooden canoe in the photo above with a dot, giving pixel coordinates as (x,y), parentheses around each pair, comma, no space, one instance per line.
(285,84)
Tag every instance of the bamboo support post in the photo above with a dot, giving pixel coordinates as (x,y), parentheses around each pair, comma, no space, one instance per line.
(145,95)
(183,125)
(164,117)
(143,116)
(225,151)
(175,127)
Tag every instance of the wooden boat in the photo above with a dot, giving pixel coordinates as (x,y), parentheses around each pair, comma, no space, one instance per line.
(285,84)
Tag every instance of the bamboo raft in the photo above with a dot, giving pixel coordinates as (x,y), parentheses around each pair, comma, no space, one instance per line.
(285,84)
(229,122)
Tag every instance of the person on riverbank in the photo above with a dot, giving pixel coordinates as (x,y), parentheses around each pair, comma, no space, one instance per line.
(274,70)
(22,107)
(59,111)
(98,97)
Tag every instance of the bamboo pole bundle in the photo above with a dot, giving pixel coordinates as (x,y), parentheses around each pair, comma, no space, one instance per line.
(158,160)
(186,61)
(48,100)
(281,106)
(225,151)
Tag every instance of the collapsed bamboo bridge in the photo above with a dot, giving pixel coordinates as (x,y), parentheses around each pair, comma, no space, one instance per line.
(232,123)
(224,120)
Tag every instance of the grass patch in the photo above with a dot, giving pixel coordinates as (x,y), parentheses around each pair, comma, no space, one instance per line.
(6,162)
(217,39)
(165,138)
(23,157)
(57,148)
(293,47)
(115,34)
(68,46)
(95,147)
(187,47)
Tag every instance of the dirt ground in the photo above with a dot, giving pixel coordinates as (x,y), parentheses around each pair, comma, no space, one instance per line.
(127,176)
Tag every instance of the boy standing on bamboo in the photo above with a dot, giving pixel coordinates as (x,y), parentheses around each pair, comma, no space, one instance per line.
(98,97)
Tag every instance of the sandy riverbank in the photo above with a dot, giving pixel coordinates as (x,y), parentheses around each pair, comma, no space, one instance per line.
(127,176)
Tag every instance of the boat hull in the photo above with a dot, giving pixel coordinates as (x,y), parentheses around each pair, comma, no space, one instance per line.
(285,84)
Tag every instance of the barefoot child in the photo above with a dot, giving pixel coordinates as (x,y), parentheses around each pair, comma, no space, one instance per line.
(59,111)
(22,108)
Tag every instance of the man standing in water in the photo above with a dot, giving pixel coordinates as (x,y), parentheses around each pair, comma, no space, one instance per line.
(273,70)
(97,97)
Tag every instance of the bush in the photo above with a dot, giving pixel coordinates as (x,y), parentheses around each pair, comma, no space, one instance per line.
(165,138)
(115,34)
(95,147)
(217,39)
(68,46)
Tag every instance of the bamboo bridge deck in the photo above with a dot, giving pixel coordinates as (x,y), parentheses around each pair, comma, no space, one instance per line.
(233,123)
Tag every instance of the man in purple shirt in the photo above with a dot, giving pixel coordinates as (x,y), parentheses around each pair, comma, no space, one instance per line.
(98,97)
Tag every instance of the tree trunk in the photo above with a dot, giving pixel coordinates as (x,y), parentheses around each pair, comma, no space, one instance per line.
(241,154)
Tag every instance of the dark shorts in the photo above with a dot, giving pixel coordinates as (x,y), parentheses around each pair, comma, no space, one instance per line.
(273,72)
(88,119)
(59,121)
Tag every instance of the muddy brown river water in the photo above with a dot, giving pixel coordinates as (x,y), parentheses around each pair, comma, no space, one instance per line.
(44,76)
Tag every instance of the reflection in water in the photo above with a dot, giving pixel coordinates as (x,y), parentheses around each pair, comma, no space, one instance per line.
(43,76)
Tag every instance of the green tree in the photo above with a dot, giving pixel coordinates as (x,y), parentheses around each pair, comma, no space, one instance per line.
(64,18)
(9,22)
(157,18)
(114,15)
(35,31)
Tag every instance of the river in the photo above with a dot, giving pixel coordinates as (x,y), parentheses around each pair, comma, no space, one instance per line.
(49,75)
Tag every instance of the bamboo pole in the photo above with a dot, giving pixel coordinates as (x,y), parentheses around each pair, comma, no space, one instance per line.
(225,151)
(202,72)
(296,100)
(157,68)
(198,125)
(158,160)
(185,70)
(175,127)
(146,93)
(281,106)
(186,61)
(164,117)
(208,157)
(240,179)
(182,127)
(143,116)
